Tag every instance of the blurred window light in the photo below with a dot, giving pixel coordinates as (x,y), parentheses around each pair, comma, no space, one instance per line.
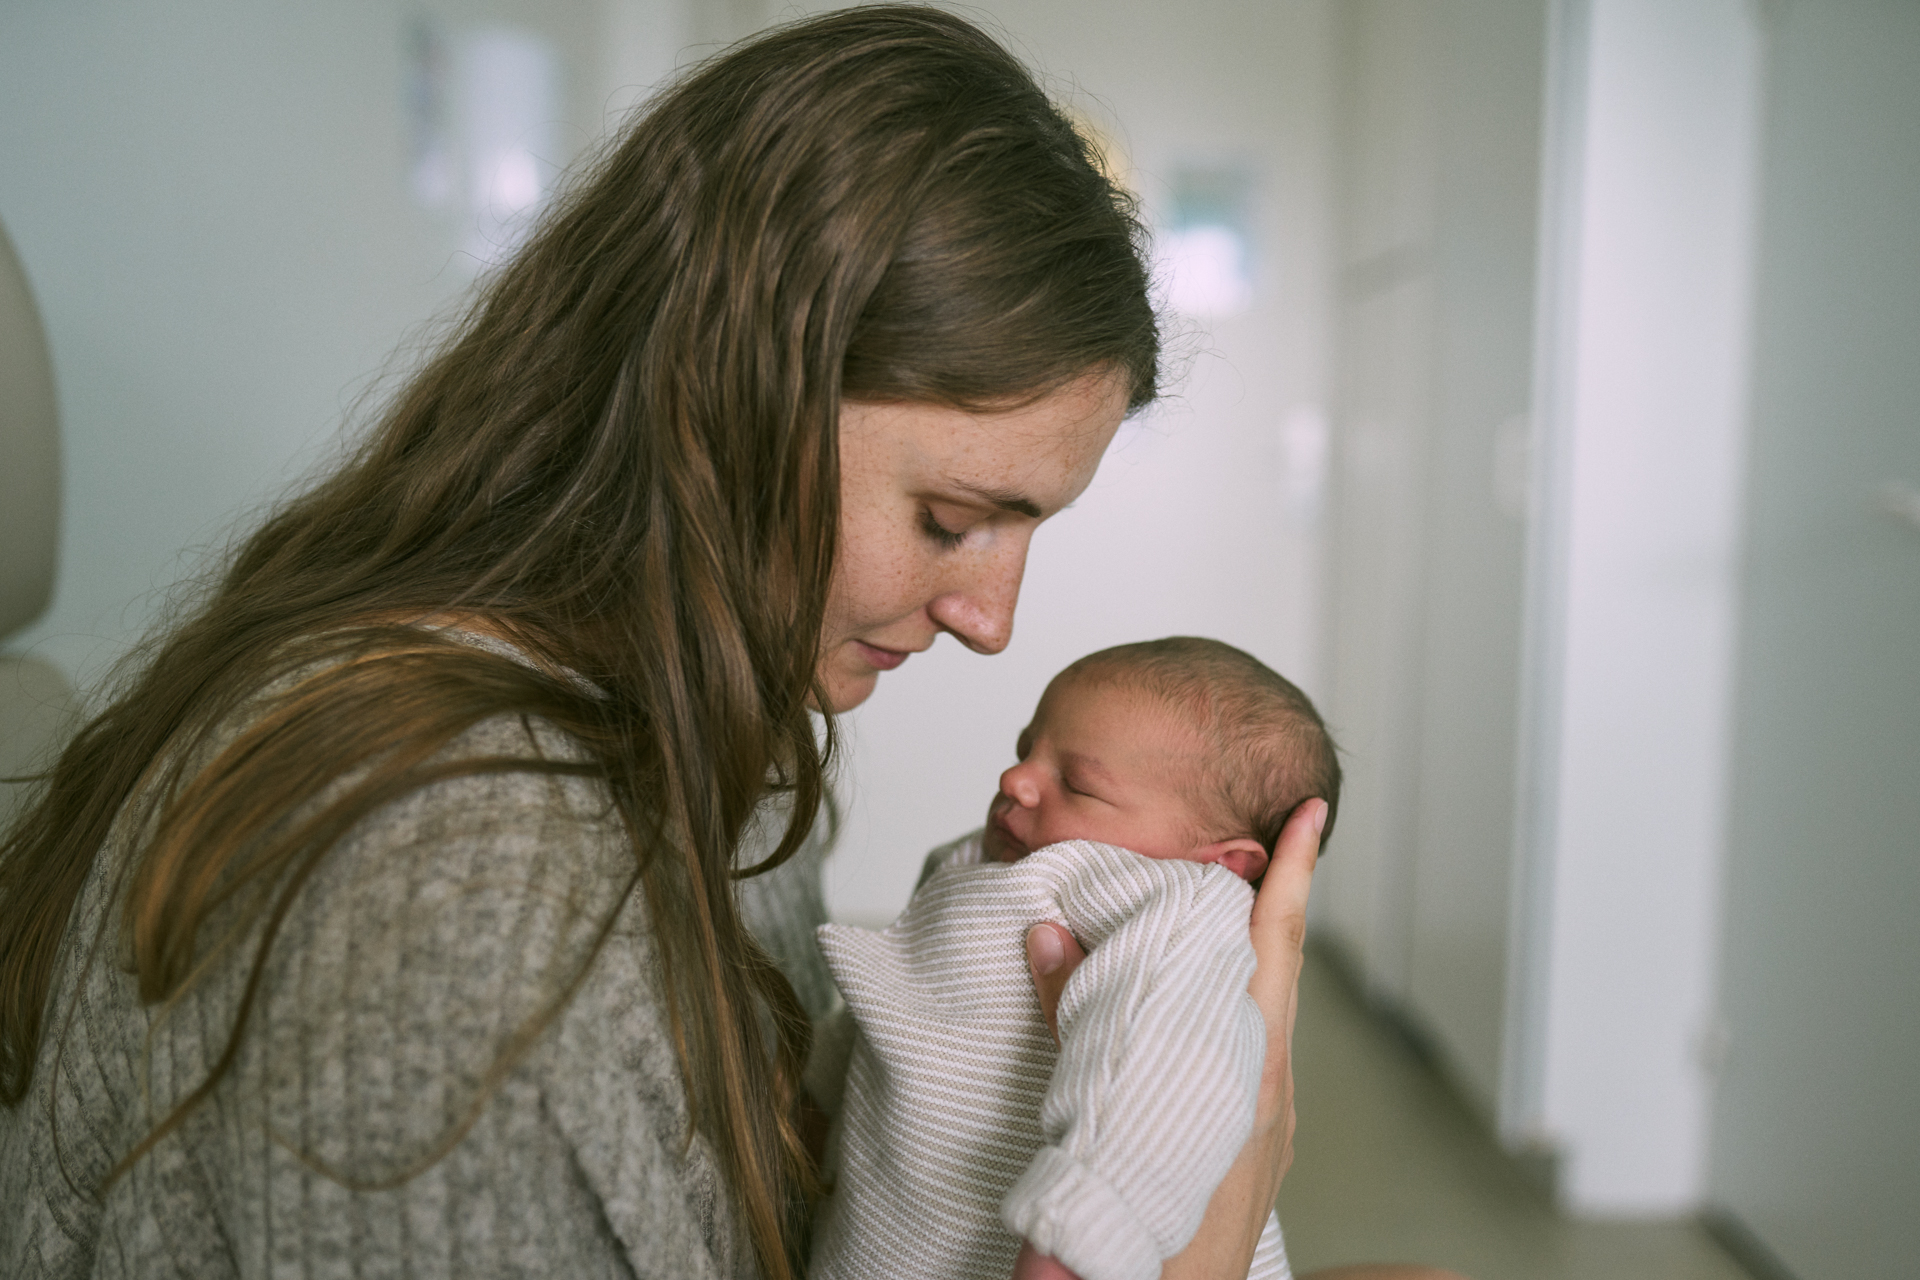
(1205,258)
(510,184)
(483,112)
(508,108)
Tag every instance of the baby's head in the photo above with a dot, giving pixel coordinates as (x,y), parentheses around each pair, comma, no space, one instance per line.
(1177,748)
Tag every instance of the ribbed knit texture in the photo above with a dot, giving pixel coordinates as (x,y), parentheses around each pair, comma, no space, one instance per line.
(425,940)
(963,1130)
(784,906)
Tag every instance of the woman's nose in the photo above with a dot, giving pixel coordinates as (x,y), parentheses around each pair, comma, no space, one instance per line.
(1018,782)
(979,612)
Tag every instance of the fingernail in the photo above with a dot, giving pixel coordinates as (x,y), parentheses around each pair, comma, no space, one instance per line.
(1320,817)
(1044,951)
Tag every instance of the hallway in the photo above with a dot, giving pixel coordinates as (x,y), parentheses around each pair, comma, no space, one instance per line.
(1389,1166)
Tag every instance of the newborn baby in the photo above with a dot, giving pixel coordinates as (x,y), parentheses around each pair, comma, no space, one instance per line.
(1151,786)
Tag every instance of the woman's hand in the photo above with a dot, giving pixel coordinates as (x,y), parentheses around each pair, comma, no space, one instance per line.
(1052,954)
(1031,1264)
(1224,1245)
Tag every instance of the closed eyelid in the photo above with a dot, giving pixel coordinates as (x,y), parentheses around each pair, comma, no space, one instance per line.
(1085,767)
(959,513)
(931,525)
(967,509)
(1081,787)
(950,520)
(1000,500)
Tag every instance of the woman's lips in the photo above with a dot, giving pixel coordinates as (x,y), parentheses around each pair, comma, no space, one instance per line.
(880,659)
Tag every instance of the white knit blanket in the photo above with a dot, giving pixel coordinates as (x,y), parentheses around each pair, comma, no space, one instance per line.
(963,1130)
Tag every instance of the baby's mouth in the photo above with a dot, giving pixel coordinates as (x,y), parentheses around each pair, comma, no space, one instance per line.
(1000,844)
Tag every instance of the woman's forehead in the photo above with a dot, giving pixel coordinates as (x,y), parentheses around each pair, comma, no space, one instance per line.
(1031,458)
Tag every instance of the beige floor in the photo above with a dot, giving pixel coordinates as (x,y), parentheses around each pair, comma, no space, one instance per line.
(1389,1167)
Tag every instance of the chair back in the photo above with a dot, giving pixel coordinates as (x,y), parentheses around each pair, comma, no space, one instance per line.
(29,453)
(35,700)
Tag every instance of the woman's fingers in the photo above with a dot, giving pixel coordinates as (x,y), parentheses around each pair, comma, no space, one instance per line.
(1052,956)
(1280,909)
(1031,1264)
(1279,932)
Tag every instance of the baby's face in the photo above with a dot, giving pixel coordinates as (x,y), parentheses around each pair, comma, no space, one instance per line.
(1100,762)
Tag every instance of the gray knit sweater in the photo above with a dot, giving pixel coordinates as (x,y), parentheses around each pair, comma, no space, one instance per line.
(423,944)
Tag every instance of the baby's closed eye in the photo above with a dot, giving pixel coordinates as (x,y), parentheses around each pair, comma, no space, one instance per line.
(1080,787)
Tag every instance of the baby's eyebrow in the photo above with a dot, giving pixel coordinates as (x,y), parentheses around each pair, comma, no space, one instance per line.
(1090,764)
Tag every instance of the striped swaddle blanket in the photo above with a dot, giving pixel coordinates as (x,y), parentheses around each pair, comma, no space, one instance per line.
(963,1130)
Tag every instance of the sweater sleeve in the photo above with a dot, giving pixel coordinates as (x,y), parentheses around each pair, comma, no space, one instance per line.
(458,1063)
(1159,1068)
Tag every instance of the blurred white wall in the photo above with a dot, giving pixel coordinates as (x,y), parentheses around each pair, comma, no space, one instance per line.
(1535,559)
(1643,408)
(1204,518)
(215,205)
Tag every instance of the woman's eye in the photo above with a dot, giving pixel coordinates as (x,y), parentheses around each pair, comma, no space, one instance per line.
(940,533)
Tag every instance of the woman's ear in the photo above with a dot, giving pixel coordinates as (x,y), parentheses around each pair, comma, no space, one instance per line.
(1242,855)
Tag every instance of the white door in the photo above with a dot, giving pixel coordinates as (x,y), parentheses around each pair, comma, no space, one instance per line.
(1439,155)
(1816,1145)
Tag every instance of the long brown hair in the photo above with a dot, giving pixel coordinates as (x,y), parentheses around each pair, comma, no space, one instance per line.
(625,459)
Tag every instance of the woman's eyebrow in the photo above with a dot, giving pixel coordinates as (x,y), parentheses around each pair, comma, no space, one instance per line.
(1005,499)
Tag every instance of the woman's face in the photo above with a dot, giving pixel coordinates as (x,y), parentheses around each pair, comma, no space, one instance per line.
(936,508)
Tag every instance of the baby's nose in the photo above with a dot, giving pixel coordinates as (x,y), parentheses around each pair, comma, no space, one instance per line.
(1018,783)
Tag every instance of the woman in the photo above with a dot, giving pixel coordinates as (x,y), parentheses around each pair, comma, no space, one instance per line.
(387,918)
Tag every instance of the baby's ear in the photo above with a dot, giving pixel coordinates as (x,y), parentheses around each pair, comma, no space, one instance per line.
(1242,855)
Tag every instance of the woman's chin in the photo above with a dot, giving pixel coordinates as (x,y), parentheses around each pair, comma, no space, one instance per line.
(846,690)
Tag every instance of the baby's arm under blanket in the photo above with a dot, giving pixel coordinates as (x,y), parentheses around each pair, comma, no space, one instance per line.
(1159,1067)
